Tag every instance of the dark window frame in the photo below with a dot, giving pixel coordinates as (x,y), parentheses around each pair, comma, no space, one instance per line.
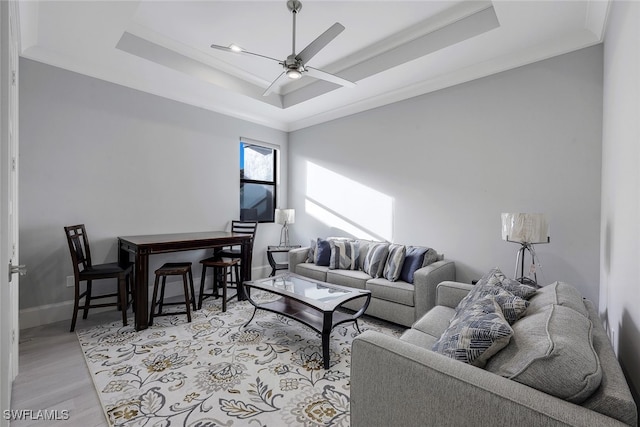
(270,183)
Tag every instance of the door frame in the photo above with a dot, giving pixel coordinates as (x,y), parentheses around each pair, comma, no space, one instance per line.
(9,252)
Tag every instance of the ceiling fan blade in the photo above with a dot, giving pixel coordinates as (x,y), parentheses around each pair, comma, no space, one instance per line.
(323,75)
(275,84)
(323,39)
(240,50)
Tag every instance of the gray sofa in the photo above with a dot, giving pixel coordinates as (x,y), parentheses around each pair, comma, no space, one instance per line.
(398,302)
(401,382)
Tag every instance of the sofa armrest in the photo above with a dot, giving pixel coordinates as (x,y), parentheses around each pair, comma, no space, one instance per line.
(450,293)
(297,256)
(426,279)
(394,382)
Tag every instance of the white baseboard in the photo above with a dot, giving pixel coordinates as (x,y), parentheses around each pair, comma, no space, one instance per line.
(61,311)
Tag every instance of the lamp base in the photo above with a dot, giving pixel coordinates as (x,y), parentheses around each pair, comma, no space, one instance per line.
(284,235)
(527,280)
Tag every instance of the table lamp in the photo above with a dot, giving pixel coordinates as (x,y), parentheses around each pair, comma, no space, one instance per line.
(285,217)
(527,229)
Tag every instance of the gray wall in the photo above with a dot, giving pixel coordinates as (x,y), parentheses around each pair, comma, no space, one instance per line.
(619,267)
(123,162)
(438,170)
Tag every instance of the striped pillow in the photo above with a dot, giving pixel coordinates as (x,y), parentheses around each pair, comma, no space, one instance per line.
(376,259)
(393,266)
(344,255)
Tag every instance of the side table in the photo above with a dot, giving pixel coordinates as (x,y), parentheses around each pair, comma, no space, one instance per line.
(275,266)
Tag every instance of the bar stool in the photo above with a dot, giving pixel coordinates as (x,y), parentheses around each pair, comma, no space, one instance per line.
(173,269)
(221,268)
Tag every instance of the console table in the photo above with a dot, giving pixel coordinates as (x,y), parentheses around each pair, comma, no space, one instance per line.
(275,266)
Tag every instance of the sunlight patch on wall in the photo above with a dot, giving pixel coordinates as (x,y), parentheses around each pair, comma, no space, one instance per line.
(348,205)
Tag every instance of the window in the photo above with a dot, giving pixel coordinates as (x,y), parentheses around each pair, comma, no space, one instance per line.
(257,182)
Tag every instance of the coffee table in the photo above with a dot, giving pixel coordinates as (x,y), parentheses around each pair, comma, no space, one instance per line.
(310,302)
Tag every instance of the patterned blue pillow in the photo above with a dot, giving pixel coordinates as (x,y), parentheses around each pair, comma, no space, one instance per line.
(476,333)
(375,259)
(393,266)
(494,283)
(495,277)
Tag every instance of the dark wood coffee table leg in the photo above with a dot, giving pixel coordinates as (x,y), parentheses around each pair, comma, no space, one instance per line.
(326,337)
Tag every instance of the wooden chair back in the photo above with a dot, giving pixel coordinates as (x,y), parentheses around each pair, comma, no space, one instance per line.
(78,247)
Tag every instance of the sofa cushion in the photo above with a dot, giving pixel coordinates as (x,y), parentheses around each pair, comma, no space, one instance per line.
(375,259)
(351,278)
(344,255)
(418,338)
(413,259)
(399,292)
(393,266)
(559,293)
(613,397)
(552,351)
(435,321)
(476,333)
(312,271)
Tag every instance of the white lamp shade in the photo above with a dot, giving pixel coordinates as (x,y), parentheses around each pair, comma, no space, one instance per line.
(525,228)
(285,216)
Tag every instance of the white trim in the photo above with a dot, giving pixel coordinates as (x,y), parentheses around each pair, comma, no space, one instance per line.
(62,311)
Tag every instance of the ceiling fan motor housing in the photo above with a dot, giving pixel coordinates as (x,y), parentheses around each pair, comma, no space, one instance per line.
(294,6)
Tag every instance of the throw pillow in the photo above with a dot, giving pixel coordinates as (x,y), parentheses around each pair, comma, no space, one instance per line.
(323,252)
(375,259)
(344,255)
(363,249)
(552,351)
(393,266)
(513,307)
(311,254)
(497,278)
(475,334)
(413,259)
(430,257)
(494,278)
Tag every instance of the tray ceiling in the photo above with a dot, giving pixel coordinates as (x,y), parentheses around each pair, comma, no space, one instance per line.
(393,50)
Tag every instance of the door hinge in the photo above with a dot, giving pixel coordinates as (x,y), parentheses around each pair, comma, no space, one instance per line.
(13,78)
(13,164)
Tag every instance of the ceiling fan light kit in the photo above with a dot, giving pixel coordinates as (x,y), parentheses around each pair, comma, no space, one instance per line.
(295,64)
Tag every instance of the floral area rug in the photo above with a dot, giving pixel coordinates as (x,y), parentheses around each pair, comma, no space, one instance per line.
(214,372)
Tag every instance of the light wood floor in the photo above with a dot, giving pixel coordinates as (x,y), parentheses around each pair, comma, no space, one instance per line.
(54,376)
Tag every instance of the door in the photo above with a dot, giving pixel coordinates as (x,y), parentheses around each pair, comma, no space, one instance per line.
(9,261)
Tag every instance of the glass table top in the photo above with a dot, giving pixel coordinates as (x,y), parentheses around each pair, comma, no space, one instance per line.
(304,288)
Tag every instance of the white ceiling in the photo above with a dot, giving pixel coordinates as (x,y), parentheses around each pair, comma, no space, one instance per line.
(393,50)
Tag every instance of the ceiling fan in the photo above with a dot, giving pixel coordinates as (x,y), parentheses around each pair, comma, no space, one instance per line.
(296,64)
